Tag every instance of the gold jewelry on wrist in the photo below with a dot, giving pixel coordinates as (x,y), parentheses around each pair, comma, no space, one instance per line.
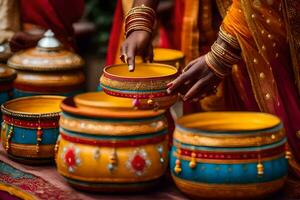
(228,38)
(139,18)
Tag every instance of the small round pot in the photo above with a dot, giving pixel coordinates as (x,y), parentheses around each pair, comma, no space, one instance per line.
(169,56)
(47,69)
(230,155)
(30,128)
(147,85)
(65,83)
(107,146)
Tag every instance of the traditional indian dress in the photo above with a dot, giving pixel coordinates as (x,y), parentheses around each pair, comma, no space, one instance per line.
(265,79)
(56,15)
(10,19)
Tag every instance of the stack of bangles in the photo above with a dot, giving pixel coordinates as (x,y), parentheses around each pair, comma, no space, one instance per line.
(140,18)
(221,57)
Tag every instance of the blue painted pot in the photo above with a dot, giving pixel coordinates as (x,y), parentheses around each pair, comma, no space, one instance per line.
(230,155)
(30,128)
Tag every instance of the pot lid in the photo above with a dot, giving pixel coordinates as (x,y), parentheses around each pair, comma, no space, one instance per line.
(7,74)
(5,52)
(48,55)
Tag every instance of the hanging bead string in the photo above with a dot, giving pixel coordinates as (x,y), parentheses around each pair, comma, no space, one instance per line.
(113,160)
(259,166)
(177,168)
(56,147)
(39,135)
(9,136)
(193,162)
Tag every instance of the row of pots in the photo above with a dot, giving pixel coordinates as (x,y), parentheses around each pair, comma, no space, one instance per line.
(101,143)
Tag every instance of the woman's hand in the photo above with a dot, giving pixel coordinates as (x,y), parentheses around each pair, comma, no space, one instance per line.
(138,43)
(22,40)
(196,81)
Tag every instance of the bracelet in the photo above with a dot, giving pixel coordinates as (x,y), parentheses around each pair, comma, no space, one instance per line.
(229,39)
(224,54)
(140,18)
(211,63)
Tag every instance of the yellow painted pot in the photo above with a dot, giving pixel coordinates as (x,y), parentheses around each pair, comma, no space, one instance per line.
(229,155)
(107,146)
(169,56)
(30,128)
(147,85)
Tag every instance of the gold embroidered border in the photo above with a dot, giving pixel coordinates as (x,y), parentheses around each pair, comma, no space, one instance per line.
(222,140)
(110,128)
(141,85)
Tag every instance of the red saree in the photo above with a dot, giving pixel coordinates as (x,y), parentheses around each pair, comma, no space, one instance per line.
(56,15)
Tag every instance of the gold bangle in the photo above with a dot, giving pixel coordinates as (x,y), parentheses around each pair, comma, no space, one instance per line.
(138,28)
(228,38)
(224,54)
(218,64)
(219,61)
(142,7)
(224,51)
(139,14)
(209,63)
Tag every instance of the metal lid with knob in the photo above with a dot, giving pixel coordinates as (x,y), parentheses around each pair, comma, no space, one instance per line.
(48,55)
(5,52)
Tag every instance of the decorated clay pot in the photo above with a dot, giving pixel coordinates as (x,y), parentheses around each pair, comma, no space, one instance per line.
(7,77)
(47,69)
(30,128)
(230,155)
(105,145)
(147,85)
(169,56)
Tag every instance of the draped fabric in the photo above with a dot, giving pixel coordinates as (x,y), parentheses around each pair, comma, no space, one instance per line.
(265,77)
(56,15)
(161,35)
(10,19)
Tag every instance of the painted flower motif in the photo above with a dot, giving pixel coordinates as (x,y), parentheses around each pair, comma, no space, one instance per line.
(138,162)
(71,158)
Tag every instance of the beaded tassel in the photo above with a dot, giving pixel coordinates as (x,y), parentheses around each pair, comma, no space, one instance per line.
(112,161)
(288,153)
(9,136)
(193,163)
(56,147)
(39,135)
(177,168)
(260,167)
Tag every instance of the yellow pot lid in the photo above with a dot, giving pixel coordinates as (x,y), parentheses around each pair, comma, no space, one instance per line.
(7,74)
(162,54)
(47,56)
(99,104)
(228,121)
(33,107)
